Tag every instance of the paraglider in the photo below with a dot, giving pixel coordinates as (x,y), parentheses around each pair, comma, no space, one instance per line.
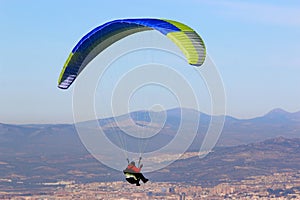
(100,38)
(133,174)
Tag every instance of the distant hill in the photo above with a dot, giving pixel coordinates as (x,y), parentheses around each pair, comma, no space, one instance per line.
(274,124)
(38,139)
(235,132)
(227,164)
(27,170)
(57,138)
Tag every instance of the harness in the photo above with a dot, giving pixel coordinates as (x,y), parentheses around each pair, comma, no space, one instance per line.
(129,175)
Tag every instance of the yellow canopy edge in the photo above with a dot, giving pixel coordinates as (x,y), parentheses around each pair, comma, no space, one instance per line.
(185,45)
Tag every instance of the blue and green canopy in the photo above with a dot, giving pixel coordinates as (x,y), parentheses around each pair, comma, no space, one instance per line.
(103,36)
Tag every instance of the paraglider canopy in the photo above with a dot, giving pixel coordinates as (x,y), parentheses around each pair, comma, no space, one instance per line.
(93,43)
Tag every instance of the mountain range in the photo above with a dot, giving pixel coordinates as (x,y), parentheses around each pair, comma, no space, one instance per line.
(56,138)
(35,153)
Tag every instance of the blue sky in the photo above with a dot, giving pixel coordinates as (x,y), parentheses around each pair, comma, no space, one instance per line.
(255,46)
